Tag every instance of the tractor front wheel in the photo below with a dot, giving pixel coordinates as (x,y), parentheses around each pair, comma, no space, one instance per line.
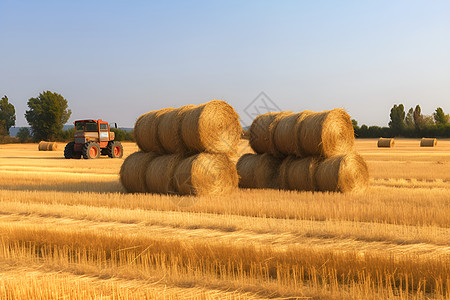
(115,149)
(91,150)
(69,151)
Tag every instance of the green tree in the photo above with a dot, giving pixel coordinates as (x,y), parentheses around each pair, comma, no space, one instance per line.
(397,123)
(440,117)
(409,120)
(47,115)
(7,114)
(24,135)
(418,117)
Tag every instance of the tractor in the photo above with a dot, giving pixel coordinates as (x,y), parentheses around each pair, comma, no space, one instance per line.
(92,139)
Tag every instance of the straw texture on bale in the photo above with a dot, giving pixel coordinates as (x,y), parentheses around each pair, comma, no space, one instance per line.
(47,146)
(133,171)
(386,143)
(146,131)
(205,174)
(428,142)
(342,173)
(211,127)
(169,130)
(324,134)
(159,173)
(258,171)
(259,135)
(298,173)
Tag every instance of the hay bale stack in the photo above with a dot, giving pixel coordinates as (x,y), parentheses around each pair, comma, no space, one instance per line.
(159,173)
(47,146)
(205,174)
(259,136)
(211,127)
(324,134)
(258,171)
(428,142)
(298,173)
(146,131)
(342,173)
(385,143)
(169,130)
(133,171)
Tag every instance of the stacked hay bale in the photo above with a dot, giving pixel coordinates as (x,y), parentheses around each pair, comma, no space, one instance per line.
(312,151)
(188,150)
(47,146)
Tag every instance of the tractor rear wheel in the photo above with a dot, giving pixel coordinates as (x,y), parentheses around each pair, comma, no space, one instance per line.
(91,150)
(69,151)
(115,149)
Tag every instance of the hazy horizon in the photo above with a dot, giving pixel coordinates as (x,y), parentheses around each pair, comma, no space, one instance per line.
(116,60)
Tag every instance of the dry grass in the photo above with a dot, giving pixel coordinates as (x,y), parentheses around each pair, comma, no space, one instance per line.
(68,230)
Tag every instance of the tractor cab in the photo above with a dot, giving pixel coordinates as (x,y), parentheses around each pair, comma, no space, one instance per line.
(92,139)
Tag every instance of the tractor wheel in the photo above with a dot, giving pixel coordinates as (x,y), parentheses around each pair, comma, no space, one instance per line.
(91,150)
(115,149)
(69,151)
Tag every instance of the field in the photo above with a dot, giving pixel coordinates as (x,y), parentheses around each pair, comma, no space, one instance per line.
(69,231)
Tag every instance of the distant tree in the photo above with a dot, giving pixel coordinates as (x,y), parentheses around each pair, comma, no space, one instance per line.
(397,123)
(47,115)
(440,117)
(122,135)
(418,117)
(355,126)
(24,135)
(7,114)
(409,120)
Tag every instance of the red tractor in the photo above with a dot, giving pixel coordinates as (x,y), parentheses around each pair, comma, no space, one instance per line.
(92,139)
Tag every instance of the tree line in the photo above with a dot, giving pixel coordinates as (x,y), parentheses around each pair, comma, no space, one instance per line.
(47,113)
(412,124)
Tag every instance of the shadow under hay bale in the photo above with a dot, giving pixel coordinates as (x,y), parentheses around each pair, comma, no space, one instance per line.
(258,171)
(385,143)
(146,131)
(211,127)
(133,171)
(159,173)
(342,173)
(205,174)
(47,146)
(298,173)
(428,142)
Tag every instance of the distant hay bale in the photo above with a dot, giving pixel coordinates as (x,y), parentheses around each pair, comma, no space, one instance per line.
(47,146)
(258,171)
(324,134)
(342,173)
(205,174)
(259,136)
(133,171)
(211,127)
(159,173)
(386,143)
(169,130)
(298,173)
(428,142)
(146,131)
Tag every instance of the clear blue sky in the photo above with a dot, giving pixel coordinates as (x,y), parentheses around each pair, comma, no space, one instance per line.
(119,59)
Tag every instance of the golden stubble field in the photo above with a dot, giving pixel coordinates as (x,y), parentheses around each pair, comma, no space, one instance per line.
(68,231)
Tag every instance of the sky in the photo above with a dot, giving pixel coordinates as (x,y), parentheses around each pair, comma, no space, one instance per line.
(116,60)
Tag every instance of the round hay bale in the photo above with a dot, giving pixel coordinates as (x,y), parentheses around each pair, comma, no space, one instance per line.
(259,136)
(325,133)
(159,173)
(133,171)
(205,174)
(428,142)
(146,131)
(47,146)
(211,127)
(298,173)
(258,171)
(342,173)
(169,130)
(385,143)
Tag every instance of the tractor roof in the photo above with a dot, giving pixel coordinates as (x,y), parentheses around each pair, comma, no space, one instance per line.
(91,120)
